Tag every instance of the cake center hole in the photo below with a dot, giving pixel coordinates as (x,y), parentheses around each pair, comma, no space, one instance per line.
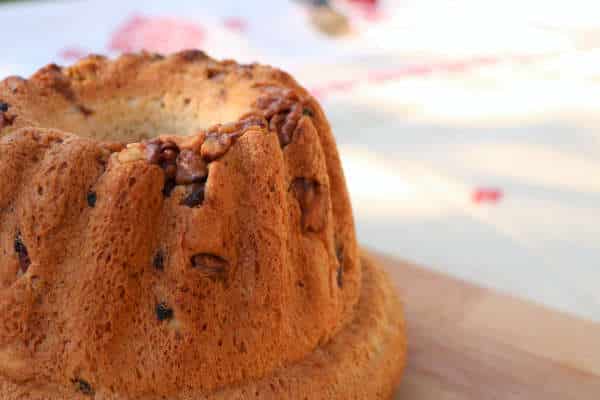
(131,119)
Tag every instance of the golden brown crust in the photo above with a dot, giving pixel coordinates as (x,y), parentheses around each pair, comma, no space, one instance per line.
(365,360)
(168,225)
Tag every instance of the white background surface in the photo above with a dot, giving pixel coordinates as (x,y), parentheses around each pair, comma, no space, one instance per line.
(431,102)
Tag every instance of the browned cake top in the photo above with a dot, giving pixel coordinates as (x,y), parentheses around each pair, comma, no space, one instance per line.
(168,225)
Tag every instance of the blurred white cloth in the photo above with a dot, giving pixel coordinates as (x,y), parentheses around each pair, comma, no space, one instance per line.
(469,131)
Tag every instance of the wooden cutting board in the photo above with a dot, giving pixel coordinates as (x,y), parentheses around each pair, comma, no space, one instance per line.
(467,342)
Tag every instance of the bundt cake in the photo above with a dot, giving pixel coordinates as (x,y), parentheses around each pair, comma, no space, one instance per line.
(179,228)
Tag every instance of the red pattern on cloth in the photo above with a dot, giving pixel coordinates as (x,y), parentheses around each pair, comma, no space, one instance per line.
(72,53)
(235,24)
(378,77)
(487,195)
(159,34)
(369,9)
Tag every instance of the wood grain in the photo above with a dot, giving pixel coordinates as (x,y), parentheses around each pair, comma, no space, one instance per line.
(467,342)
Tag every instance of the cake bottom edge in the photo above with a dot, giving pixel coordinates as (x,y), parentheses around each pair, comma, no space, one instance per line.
(364,360)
